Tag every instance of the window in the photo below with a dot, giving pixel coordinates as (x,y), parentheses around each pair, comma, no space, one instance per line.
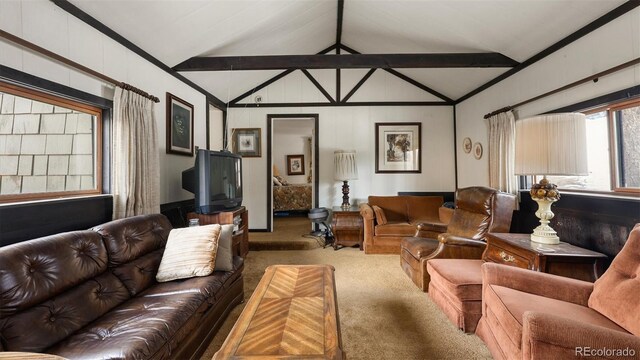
(613,151)
(49,146)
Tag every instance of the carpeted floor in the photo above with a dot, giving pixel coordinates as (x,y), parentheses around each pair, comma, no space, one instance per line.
(289,233)
(382,314)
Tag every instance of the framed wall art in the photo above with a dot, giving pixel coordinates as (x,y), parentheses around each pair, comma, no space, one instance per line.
(247,142)
(179,126)
(295,164)
(398,147)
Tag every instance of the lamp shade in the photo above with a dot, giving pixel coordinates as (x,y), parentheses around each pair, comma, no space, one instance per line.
(553,144)
(345,165)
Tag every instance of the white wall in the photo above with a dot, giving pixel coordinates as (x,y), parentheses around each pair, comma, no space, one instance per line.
(354,128)
(48,26)
(216,129)
(611,45)
(290,137)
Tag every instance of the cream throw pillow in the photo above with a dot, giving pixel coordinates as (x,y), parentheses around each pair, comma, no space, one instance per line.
(189,252)
(224,257)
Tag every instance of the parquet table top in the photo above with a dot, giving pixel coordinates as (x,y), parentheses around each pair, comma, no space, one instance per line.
(291,314)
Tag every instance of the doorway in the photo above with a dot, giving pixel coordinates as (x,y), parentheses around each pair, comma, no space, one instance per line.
(283,157)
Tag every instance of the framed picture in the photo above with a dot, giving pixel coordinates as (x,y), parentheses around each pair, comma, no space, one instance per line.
(179,126)
(295,164)
(477,150)
(466,145)
(247,142)
(398,147)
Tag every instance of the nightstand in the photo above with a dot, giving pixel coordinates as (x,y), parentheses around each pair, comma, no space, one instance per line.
(563,259)
(347,227)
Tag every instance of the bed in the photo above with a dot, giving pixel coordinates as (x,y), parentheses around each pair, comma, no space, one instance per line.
(292,197)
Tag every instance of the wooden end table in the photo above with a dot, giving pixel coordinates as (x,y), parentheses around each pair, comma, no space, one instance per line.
(292,314)
(563,259)
(347,226)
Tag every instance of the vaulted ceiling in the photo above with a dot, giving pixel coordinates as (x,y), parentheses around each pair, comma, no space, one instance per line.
(176,31)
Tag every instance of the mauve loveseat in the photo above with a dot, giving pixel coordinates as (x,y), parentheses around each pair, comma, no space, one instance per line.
(92,294)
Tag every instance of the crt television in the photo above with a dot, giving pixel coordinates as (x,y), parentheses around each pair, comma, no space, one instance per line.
(216,181)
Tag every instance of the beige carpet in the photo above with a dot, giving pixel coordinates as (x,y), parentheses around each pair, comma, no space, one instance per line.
(382,314)
(289,233)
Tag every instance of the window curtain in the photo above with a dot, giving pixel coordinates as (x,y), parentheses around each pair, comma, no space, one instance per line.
(134,156)
(502,135)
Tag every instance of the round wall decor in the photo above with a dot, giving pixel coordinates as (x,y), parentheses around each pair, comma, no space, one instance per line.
(466,145)
(477,150)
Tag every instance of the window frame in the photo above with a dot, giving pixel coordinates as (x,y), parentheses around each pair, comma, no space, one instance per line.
(610,108)
(59,100)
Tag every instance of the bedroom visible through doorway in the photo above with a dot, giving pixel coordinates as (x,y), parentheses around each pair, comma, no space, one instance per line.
(292,149)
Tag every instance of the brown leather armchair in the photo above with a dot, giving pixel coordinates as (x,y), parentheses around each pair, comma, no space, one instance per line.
(533,315)
(479,210)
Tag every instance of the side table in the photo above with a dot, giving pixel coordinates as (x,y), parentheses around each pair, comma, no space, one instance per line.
(347,226)
(563,259)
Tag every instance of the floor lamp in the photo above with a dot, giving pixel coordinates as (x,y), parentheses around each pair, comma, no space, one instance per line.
(553,144)
(345,170)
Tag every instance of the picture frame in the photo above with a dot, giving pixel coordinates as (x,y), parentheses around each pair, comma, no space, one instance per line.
(179,126)
(477,151)
(467,145)
(295,164)
(247,142)
(398,147)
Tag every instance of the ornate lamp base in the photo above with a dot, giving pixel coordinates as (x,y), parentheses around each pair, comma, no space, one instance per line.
(345,195)
(545,194)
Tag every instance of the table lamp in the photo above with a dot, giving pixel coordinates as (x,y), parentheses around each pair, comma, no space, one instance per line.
(345,170)
(553,144)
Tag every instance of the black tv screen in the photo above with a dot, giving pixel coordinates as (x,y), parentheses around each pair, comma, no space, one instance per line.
(216,181)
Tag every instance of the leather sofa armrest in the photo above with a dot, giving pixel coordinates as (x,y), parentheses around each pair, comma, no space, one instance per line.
(430,230)
(450,239)
(554,337)
(367,212)
(533,282)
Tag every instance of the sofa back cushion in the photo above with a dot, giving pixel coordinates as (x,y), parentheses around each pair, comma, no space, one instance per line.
(615,294)
(51,287)
(423,207)
(135,247)
(395,207)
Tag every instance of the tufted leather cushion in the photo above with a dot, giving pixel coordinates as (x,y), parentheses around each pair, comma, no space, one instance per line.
(139,274)
(34,271)
(615,294)
(41,326)
(130,238)
(135,330)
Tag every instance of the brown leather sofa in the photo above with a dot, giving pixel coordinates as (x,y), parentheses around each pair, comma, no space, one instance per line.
(401,214)
(92,294)
(532,315)
(479,210)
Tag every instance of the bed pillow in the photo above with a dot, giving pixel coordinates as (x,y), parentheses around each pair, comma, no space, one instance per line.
(276,181)
(283,182)
(189,252)
(224,256)
(381,219)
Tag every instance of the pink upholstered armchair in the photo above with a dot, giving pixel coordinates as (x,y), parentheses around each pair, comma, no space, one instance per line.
(532,315)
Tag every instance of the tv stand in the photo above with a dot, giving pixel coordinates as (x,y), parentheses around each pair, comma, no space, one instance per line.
(240,236)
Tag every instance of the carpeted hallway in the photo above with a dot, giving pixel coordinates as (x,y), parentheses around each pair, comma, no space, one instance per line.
(382,314)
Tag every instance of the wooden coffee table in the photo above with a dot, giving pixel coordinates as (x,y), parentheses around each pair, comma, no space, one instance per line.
(292,314)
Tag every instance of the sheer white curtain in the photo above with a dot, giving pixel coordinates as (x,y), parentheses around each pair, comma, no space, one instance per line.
(502,135)
(134,156)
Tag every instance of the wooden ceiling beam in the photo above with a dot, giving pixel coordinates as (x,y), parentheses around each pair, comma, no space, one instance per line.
(346,61)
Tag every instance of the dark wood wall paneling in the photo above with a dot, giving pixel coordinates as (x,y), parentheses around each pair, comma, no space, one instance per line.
(30,220)
(593,222)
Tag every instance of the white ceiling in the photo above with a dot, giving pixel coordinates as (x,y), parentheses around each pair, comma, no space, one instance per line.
(176,30)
